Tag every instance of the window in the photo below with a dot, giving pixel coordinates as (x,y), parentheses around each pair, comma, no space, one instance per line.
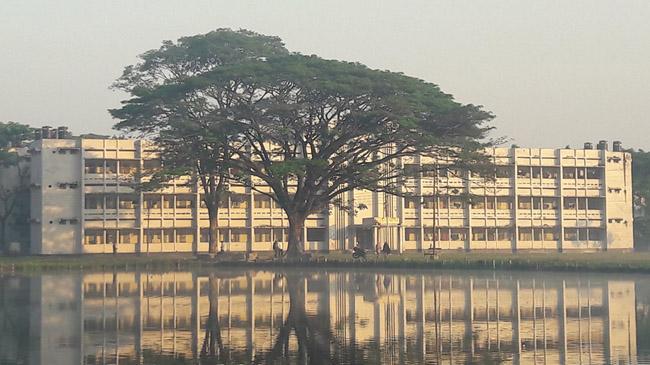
(184,201)
(94,201)
(550,172)
(280,234)
(504,203)
(478,234)
(503,172)
(595,234)
(94,167)
(204,235)
(582,203)
(262,201)
(239,201)
(262,235)
(153,236)
(185,235)
(551,234)
(570,234)
(224,235)
(316,234)
(580,172)
(168,235)
(428,202)
(93,237)
(111,167)
(593,173)
(410,202)
(128,167)
(411,234)
(537,234)
(537,202)
(549,203)
(536,172)
(111,236)
(595,204)
(443,234)
(428,170)
(152,201)
(491,234)
(524,202)
(582,234)
(443,202)
(110,201)
(458,234)
(489,202)
(128,202)
(239,235)
(523,171)
(570,203)
(478,203)
(128,236)
(456,202)
(525,234)
(168,201)
(504,234)
(569,172)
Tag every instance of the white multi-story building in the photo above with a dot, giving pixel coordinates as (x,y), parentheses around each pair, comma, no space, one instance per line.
(84,201)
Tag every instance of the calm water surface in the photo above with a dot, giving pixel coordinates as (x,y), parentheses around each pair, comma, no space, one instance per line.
(322,317)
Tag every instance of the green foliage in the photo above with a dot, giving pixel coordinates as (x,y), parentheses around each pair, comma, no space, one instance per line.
(310,128)
(14,176)
(641,188)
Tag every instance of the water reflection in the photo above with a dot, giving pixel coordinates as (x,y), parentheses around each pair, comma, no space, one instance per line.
(315,317)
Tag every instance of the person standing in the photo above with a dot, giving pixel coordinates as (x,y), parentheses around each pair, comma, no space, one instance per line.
(377,248)
(276,248)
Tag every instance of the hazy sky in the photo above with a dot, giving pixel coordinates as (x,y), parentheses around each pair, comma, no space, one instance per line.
(553,72)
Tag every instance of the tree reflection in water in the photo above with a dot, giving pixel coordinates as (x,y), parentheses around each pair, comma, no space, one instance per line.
(312,334)
(212,350)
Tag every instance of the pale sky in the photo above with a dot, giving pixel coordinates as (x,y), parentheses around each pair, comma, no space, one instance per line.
(553,72)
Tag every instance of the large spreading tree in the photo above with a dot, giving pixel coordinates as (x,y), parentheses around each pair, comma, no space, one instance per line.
(304,130)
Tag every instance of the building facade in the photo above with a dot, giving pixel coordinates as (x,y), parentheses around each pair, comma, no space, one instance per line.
(84,201)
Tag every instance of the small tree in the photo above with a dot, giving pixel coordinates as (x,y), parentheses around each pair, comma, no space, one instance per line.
(192,139)
(14,173)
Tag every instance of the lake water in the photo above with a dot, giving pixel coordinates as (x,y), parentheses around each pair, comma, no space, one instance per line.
(321,317)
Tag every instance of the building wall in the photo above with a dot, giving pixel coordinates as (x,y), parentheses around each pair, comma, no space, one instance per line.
(541,199)
(56,197)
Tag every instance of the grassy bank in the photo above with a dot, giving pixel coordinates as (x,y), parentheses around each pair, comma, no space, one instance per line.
(597,262)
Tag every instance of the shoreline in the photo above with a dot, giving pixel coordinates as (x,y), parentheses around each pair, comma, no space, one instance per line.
(603,262)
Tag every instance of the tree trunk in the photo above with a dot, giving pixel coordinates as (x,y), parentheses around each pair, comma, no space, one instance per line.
(3,235)
(296,245)
(213,216)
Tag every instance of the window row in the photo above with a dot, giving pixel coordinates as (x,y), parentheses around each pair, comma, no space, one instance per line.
(504,203)
(186,235)
(127,167)
(507,171)
(505,234)
(110,201)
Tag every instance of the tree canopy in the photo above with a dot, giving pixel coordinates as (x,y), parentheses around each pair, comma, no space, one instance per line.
(14,173)
(304,130)
(641,188)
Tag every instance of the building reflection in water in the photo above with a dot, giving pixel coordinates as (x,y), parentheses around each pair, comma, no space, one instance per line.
(314,317)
